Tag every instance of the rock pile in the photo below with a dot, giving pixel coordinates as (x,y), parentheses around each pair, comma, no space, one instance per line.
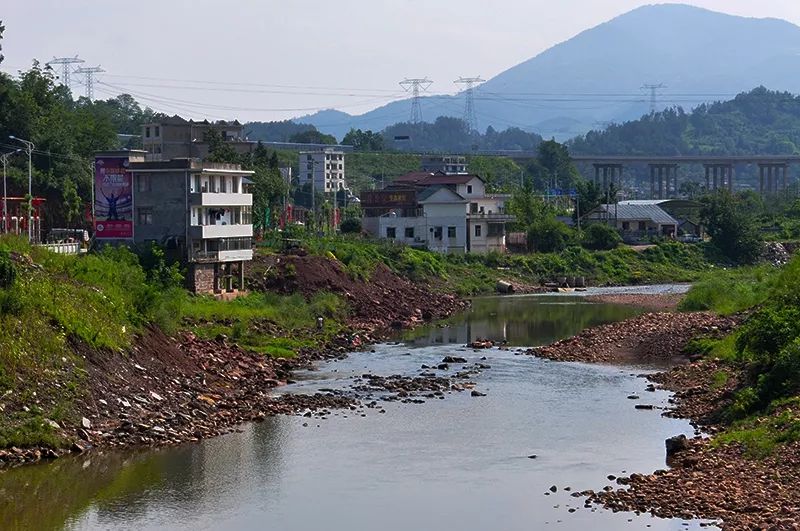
(650,336)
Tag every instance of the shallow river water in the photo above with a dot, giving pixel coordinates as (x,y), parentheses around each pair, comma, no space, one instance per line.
(458,463)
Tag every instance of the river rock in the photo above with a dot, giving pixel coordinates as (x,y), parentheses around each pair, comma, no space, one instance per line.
(676,444)
(477,393)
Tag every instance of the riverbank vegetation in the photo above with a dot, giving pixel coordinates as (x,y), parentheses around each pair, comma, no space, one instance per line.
(764,351)
(53,306)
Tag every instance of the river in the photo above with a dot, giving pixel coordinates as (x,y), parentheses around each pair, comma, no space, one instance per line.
(457,463)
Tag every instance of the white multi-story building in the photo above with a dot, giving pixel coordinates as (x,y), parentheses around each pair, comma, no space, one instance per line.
(324,168)
(200,210)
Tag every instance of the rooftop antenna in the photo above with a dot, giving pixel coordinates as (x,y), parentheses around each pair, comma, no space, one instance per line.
(415,86)
(89,73)
(653,88)
(469,106)
(65,63)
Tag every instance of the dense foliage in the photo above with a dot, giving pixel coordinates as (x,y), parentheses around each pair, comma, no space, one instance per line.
(760,121)
(730,221)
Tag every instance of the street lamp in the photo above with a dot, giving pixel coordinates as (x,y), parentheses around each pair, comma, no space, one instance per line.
(4,158)
(29,148)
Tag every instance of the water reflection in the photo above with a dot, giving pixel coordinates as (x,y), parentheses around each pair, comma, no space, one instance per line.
(455,463)
(520,321)
(113,487)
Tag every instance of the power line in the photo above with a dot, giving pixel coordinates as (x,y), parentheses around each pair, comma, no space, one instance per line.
(414,86)
(65,63)
(469,104)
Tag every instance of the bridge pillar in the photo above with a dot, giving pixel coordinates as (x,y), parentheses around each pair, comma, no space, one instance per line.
(606,174)
(773,177)
(719,176)
(663,180)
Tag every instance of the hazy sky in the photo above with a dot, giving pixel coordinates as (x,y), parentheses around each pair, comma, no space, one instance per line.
(264,60)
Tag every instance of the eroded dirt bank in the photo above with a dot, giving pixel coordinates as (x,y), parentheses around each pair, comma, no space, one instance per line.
(170,390)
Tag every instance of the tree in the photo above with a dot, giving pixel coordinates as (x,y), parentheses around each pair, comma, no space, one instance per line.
(601,237)
(554,159)
(312,137)
(549,236)
(71,201)
(592,195)
(269,189)
(363,140)
(731,226)
(218,149)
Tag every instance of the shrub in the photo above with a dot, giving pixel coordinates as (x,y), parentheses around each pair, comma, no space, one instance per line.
(600,237)
(549,236)
(351,226)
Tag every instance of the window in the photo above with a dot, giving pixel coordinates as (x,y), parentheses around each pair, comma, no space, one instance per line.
(223,184)
(409,232)
(247,215)
(477,230)
(145,216)
(469,188)
(391,233)
(234,185)
(142,183)
(451,232)
(642,225)
(437,233)
(473,208)
(158,131)
(196,184)
(147,132)
(495,229)
(626,225)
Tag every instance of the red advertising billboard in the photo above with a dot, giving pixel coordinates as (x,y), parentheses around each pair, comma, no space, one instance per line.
(113,198)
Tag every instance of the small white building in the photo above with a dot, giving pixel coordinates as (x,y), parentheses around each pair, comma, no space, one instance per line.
(325,168)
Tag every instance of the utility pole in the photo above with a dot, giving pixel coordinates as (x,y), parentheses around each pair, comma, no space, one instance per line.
(4,158)
(415,86)
(469,105)
(653,88)
(29,148)
(65,63)
(89,73)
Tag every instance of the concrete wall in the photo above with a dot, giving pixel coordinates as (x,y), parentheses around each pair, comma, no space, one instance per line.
(166,199)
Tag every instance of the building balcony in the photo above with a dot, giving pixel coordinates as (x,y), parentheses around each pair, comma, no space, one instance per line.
(205,232)
(221,199)
(223,256)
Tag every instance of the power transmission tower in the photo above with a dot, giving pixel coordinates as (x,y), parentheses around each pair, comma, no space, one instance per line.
(415,86)
(89,73)
(65,63)
(653,89)
(469,105)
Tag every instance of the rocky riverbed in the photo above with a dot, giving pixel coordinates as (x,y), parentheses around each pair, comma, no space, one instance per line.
(706,480)
(651,336)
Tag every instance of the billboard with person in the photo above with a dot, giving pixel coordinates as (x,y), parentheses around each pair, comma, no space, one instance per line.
(113,198)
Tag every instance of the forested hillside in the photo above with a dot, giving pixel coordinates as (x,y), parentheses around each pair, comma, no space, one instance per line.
(760,121)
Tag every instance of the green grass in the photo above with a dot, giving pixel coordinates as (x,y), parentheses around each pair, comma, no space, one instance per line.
(760,436)
(730,291)
(474,274)
(268,323)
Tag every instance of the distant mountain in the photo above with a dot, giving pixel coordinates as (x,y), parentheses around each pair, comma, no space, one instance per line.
(595,77)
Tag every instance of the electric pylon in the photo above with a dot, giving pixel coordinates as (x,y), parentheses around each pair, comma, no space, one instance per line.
(469,105)
(65,63)
(89,73)
(653,88)
(415,86)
